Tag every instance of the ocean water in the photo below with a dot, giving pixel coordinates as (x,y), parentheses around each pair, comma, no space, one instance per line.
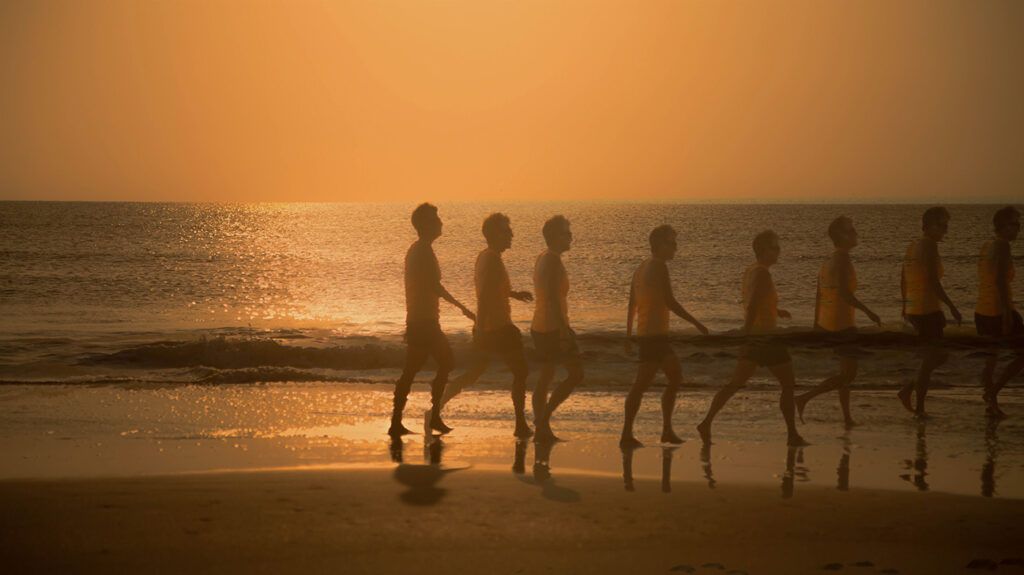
(282,292)
(130,430)
(149,325)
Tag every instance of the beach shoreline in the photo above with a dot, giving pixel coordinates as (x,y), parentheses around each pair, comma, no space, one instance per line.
(357,521)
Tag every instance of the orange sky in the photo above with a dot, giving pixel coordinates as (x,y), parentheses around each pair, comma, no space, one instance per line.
(482,99)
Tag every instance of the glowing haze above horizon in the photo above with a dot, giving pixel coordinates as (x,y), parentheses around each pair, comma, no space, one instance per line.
(530,100)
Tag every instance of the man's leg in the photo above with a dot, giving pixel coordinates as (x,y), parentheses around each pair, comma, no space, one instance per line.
(516,362)
(415,357)
(934,357)
(988,374)
(466,379)
(744,369)
(841,382)
(1011,370)
(644,376)
(540,393)
(674,373)
(442,353)
(848,372)
(837,381)
(784,373)
(564,389)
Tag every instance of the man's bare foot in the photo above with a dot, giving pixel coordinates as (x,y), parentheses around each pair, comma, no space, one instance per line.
(629,442)
(545,435)
(669,436)
(439,426)
(904,395)
(986,395)
(992,411)
(523,430)
(795,440)
(398,430)
(801,403)
(704,430)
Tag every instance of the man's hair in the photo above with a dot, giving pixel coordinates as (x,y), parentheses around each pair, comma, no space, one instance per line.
(492,224)
(837,227)
(1004,216)
(660,235)
(763,240)
(553,226)
(422,215)
(933,216)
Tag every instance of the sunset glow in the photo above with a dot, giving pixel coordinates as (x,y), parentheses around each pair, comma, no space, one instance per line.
(583,100)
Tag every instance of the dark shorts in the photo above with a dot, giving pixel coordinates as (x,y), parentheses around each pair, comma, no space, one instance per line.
(550,346)
(655,348)
(424,334)
(500,341)
(992,325)
(928,326)
(845,343)
(765,354)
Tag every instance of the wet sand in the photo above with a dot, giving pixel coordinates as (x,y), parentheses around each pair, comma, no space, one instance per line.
(418,519)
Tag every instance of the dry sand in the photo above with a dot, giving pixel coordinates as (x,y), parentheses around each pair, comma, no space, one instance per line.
(489,521)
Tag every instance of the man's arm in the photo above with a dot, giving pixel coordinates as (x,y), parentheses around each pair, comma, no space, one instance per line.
(630,310)
(760,292)
(451,299)
(845,265)
(1003,285)
(817,304)
(524,295)
(489,279)
(553,275)
(931,266)
(903,291)
(662,278)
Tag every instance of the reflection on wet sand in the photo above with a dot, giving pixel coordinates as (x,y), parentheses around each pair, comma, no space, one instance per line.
(542,472)
(705,462)
(918,467)
(666,467)
(667,453)
(794,472)
(843,469)
(988,470)
(519,457)
(421,480)
(894,457)
(627,467)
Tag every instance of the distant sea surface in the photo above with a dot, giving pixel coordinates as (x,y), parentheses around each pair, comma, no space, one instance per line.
(184,292)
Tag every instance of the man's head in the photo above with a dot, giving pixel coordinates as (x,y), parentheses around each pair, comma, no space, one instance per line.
(842,233)
(1006,222)
(663,242)
(935,222)
(557,234)
(766,247)
(426,221)
(497,230)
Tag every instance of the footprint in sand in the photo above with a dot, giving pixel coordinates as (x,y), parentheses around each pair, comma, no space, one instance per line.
(832,567)
(862,564)
(713,566)
(683,568)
